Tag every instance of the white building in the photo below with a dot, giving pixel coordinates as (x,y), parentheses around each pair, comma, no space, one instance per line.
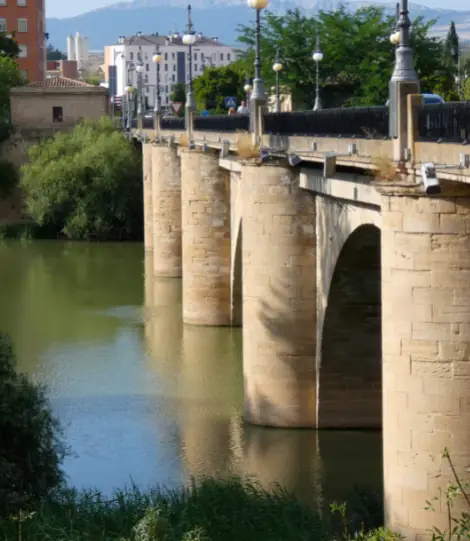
(173,68)
(77,49)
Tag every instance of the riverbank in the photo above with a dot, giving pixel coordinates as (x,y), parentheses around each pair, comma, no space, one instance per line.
(213,510)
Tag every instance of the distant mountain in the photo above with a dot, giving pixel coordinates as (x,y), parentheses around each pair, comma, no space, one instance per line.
(103,26)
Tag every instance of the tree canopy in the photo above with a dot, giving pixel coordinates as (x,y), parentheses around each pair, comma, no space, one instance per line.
(211,88)
(10,76)
(358,57)
(86,184)
(54,53)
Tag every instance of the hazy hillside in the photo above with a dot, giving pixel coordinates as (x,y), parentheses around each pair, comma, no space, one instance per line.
(103,26)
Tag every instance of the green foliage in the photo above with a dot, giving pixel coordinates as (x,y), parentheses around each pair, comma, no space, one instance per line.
(178,95)
(458,526)
(451,44)
(215,84)
(55,54)
(86,184)
(10,76)
(358,57)
(213,510)
(93,80)
(31,448)
(8,46)
(9,178)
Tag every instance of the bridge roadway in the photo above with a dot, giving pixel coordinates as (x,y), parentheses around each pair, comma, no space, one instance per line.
(352,286)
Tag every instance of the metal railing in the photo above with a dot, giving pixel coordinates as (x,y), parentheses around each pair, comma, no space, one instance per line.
(447,122)
(222,123)
(172,123)
(361,122)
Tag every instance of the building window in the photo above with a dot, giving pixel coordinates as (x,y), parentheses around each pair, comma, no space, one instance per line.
(195,67)
(23,51)
(173,56)
(24,74)
(166,56)
(221,57)
(21,3)
(147,67)
(3,2)
(195,57)
(202,57)
(3,22)
(166,89)
(22,25)
(132,56)
(146,78)
(167,100)
(57,114)
(146,56)
(166,67)
(174,67)
(228,57)
(173,78)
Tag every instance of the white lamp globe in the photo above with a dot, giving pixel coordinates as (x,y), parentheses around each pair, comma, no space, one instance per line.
(139,68)
(129,89)
(157,58)
(395,38)
(189,39)
(277,66)
(317,56)
(258,4)
(247,88)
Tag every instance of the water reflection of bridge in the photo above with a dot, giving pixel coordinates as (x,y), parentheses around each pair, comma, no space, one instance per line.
(202,370)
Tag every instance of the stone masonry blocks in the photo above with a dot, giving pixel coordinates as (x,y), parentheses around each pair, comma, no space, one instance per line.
(205,199)
(426,362)
(147,186)
(279,297)
(166,205)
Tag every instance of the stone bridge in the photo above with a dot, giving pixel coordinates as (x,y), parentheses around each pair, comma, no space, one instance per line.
(352,285)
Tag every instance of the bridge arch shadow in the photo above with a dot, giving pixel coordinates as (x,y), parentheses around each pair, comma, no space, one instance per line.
(237,279)
(350,371)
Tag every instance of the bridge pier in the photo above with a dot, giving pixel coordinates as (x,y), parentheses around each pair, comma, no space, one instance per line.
(166,208)
(426,345)
(205,200)
(147,186)
(279,297)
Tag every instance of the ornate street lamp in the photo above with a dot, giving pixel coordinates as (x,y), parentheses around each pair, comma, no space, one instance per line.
(317,58)
(189,39)
(404,78)
(157,59)
(395,35)
(258,93)
(277,67)
(129,90)
(140,90)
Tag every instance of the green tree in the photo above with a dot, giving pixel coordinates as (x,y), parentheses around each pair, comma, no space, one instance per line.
(86,184)
(358,57)
(55,54)
(178,95)
(8,45)
(211,88)
(31,445)
(10,76)
(451,44)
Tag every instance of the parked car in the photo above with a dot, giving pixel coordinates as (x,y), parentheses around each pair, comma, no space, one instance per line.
(428,99)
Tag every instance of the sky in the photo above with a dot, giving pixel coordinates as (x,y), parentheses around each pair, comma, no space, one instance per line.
(68,8)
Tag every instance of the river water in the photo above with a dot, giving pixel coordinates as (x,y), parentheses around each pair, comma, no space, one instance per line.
(143,398)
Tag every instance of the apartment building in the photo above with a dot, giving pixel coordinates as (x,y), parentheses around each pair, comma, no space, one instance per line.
(26,20)
(122,57)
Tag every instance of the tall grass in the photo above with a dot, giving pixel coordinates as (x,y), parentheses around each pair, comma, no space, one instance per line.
(212,510)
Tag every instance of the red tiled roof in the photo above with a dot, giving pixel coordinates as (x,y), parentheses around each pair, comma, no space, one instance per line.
(59,82)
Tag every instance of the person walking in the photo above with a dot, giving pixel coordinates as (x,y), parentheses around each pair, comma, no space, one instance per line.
(243,109)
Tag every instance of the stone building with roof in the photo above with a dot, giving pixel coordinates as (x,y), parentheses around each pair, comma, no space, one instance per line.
(56,103)
(120,57)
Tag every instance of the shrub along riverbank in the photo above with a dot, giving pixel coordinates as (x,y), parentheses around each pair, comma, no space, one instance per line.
(212,510)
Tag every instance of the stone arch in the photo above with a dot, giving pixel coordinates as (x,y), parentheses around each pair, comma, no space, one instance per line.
(350,372)
(236,279)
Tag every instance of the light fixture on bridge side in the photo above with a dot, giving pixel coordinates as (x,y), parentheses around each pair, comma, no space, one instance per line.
(189,39)
(264,155)
(258,93)
(430,181)
(157,60)
(139,68)
(317,58)
(129,90)
(277,67)
(225,149)
(293,159)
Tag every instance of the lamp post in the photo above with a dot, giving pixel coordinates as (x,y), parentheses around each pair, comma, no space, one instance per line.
(277,67)
(129,90)
(317,58)
(404,81)
(157,59)
(189,39)
(140,92)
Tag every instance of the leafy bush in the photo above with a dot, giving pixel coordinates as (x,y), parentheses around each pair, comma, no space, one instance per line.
(9,178)
(31,448)
(87,183)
